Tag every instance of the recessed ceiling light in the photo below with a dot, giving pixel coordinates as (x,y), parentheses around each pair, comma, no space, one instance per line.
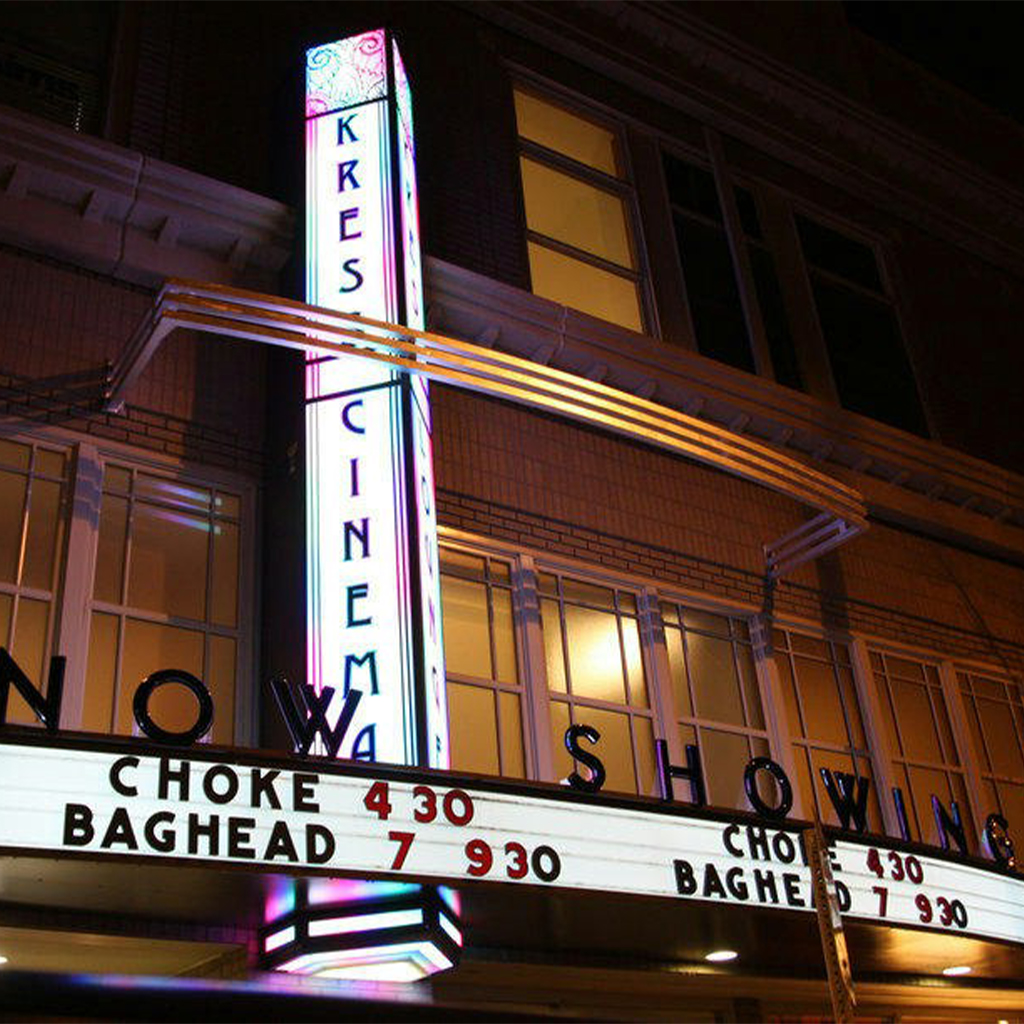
(3,960)
(952,972)
(721,956)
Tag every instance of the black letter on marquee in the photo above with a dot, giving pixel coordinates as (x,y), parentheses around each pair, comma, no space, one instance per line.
(319,844)
(597,772)
(693,772)
(78,830)
(115,776)
(280,843)
(140,708)
(766,764)
(947,825)
(843,799)
(346,173)
(361,533)
(47,709)
(345,128)
(351,661)
(1000,845)
(311,718)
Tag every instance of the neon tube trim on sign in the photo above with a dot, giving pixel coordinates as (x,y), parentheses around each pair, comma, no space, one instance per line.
(373,593)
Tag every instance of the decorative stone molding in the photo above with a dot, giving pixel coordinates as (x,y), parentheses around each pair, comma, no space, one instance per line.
(101,206)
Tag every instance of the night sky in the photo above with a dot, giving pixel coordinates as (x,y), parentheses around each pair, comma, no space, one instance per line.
(975,45)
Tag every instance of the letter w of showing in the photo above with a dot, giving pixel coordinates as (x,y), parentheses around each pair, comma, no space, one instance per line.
(307,715)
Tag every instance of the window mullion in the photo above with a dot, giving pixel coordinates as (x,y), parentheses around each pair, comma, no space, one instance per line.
(798,299)
(779,727)
(72,635)
(744,273)
(659,691)
(537,713)
(965,752)
(878,742)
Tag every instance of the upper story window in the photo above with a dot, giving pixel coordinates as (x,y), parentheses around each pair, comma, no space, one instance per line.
(578,203)
(733,295)
(859,327)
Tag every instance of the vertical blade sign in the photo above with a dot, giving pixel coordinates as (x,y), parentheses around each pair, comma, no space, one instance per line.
(373,596)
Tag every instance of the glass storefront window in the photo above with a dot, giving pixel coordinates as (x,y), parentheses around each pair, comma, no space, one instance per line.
(920,735)
(825,719)
(34,483)
(165,595)
(596,677)
(484,693)
(716,697)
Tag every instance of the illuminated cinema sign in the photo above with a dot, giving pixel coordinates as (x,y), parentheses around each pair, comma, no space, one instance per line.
(104,799)
(373,588)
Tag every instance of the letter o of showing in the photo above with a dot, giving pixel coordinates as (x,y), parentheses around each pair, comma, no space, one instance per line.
(204,718)
(766,764)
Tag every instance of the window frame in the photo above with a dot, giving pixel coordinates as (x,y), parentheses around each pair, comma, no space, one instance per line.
(624,188)
(76,563)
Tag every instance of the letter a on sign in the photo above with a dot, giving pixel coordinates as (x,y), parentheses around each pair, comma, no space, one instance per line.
(368,426)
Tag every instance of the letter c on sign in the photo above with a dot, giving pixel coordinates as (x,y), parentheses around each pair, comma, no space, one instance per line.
(185,738)
(345,417)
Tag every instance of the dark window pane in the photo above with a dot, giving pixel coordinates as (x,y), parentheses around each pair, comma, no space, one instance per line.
(831,251)
(870,367)
(692,188)
(748,213)
(773,316)
(714,298)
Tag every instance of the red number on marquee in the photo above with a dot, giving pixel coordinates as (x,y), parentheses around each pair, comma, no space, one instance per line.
(883,898)
(914,870)
(875,863)
(945,911)
(428,811)
(518,865)
(924,905)
(376,800)
(897,866)
(404,840)
(461,814)
(480,857)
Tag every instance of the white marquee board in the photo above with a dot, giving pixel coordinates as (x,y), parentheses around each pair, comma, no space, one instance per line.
(431,825)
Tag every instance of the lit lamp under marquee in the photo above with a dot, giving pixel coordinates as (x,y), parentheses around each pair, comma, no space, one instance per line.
(373,586)
(400,933)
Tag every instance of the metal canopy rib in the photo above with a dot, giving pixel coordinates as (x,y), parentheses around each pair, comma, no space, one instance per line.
(229,312)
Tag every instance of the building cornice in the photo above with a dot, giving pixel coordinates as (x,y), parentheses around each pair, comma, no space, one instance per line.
(98,205)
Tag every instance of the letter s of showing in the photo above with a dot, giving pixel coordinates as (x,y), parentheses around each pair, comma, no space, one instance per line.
(597,773)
